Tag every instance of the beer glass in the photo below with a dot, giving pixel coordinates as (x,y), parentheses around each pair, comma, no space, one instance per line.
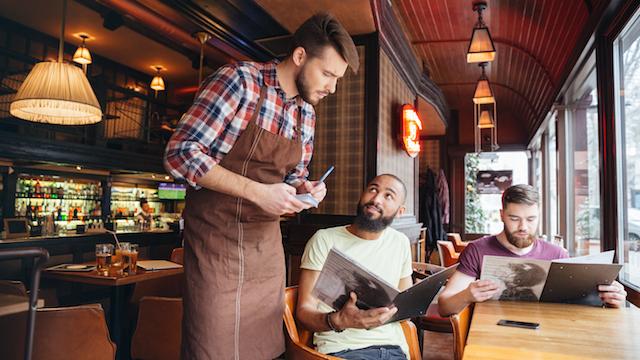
(131,257)
(103,258)
(117,260)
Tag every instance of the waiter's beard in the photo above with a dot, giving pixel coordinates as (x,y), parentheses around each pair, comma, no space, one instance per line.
(368,223)
(519,241)
(303,86)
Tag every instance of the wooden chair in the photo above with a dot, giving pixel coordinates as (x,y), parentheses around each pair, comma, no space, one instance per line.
(461,322)
(159,329)
(77,332)
(458,244)
(177,256)
(299,341)
(448,255)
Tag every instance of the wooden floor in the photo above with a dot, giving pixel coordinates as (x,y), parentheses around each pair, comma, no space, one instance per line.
(437,346)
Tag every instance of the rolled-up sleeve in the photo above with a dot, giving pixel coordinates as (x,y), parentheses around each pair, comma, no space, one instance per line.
(195,147)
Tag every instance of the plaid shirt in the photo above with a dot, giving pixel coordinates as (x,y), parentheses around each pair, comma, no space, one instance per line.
(222,110)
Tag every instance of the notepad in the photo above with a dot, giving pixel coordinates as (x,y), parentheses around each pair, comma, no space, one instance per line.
(158,264)
(308,198)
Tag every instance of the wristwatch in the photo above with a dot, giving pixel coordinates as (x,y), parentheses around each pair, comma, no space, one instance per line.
(327,319)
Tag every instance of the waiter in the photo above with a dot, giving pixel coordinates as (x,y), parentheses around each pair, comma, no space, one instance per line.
(244,146)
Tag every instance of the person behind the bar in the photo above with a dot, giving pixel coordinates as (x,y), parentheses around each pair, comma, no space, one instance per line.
(352,333)
(244,147)
(145,216)
(520,215)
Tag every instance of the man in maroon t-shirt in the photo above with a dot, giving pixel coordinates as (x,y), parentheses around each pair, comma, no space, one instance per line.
(519,240)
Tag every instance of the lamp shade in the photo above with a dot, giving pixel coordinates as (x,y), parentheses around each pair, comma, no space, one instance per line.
(481,47)
(56,93)
(483,93)
(485,120)
(157,83)
(82,55)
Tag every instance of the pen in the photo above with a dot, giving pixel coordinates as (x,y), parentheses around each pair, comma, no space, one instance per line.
(323,178)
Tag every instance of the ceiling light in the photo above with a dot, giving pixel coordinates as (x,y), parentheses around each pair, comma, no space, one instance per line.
(82,54)
(483,93)
(157,83)
(57,93)
(481,47)
(486,121)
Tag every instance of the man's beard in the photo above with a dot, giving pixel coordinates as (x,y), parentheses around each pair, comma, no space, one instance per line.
(303,88)
(366,222)
(519,242)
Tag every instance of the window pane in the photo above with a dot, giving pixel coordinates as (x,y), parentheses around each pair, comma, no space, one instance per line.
(629,78)
(487,176)
(586,189)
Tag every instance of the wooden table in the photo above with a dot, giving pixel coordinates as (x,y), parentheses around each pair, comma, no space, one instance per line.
(566,332)
(120,290)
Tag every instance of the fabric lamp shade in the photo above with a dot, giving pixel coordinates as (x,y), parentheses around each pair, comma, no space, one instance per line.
(157,83)
(56,93)
(481,47)
(483,93)
(485,120)
(82,55)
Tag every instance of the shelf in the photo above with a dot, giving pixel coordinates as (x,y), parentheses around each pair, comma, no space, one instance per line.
(59,198)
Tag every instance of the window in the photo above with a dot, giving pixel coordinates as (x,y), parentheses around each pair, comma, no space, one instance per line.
(487,176)
(627,76)
(583,162)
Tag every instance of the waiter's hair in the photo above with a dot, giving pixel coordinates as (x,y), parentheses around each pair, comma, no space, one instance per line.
(143,201)
(322,30)
(404,187)
(520,194)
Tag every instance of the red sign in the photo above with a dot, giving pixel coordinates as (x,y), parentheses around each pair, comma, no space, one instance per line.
(411,126)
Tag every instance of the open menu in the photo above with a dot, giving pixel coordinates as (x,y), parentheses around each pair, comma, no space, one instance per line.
(571,280)
(341,275)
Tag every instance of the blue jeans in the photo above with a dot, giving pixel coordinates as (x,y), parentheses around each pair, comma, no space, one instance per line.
(376,352)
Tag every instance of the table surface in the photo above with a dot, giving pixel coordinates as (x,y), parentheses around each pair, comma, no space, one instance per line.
(566,332)
(92,277)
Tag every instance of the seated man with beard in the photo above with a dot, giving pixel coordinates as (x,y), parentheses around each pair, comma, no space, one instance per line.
(520,209)
(352,333)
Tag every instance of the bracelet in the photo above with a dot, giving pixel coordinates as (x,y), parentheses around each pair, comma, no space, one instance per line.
(327,319)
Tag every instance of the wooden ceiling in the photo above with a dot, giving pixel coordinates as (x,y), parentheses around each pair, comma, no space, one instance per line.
(534,40)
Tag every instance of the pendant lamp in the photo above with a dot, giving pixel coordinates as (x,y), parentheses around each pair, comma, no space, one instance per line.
(483,93)
(481,47)
(82,55)
(157,83)
(57,93)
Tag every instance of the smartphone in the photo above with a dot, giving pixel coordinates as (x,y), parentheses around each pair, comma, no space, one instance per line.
(520,324)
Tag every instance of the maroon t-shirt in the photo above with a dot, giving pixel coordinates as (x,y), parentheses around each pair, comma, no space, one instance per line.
(470,262)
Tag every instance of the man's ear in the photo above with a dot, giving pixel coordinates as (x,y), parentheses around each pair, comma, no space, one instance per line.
(401,211)
(299,55)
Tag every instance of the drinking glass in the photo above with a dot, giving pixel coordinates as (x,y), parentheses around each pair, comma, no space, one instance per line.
(103,258)
(117,261)
(131,257)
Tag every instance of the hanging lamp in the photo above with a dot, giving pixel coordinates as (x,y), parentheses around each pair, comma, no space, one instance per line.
(82,55)
(157,83)
(481,48)
(483,93)
(57,92)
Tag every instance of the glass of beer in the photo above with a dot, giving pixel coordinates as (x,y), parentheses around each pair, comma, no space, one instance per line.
(131,258)
(117,260)
(103,258)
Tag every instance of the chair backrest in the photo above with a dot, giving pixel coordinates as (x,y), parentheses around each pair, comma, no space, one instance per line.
(77,332)
(448,255)
(177,256)
(458,244)
(461,322)
(299,340)
(11,287)
(159,329)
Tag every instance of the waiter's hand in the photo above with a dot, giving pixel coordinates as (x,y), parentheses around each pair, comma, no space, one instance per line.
(277,199)
(317,189)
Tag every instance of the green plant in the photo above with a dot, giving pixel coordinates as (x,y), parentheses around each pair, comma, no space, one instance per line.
(475,218)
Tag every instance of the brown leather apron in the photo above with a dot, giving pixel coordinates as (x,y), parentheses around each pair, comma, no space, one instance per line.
(233,256)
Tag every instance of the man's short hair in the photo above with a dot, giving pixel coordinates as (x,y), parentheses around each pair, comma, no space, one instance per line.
(520,194)
(404,187)
(322,30)
(143,201)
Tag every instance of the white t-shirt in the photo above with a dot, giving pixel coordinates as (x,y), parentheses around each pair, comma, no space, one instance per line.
(388,257)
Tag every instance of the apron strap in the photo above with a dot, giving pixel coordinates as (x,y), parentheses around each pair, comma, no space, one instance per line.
(299,124)
(256,112)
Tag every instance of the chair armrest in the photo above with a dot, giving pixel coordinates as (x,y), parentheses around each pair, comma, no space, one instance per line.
(411,334)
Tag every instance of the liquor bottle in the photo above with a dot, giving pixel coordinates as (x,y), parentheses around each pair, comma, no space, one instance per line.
(38,187)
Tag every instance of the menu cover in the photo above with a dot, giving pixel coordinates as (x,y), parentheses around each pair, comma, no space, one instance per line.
(341,275)
(158,265)
(72,267)
(571,280)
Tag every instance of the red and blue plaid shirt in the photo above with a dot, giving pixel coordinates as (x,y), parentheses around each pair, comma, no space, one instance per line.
(222,110)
